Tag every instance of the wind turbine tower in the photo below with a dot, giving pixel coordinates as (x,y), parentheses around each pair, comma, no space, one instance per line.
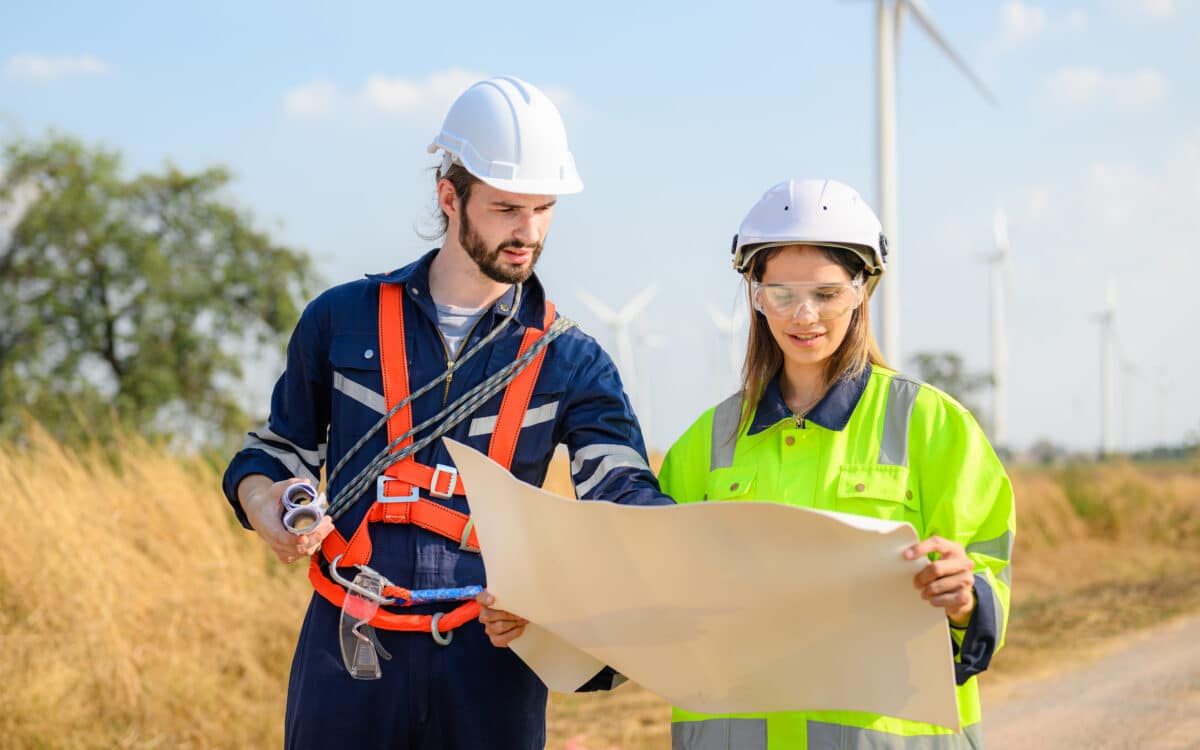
(889,18)
(730,326)
(999,267)
(1108,352)
(619,321)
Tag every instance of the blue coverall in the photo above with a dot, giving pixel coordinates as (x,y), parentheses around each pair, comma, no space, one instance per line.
(468,694)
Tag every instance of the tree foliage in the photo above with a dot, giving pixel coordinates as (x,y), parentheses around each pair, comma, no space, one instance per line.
(947,371)
(129,296)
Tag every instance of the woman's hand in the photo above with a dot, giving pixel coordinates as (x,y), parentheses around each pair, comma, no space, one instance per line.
(502,627)
(947,582)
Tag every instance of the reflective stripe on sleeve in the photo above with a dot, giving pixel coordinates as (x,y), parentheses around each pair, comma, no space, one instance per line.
(999,548)
(294,458)
(720,734)
(611,457)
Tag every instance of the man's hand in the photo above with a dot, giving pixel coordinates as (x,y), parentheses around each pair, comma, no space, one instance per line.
(947,582)
(262,500)
(502,627)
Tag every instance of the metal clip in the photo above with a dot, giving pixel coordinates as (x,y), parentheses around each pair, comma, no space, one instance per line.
(413,497)
(433,484)
(464,544)
(442,639)
(352,586)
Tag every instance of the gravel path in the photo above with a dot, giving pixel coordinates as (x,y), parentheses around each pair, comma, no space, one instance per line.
(1142,696)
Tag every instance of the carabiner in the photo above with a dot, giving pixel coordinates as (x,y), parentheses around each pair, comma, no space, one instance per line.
(359,590)
(441,639)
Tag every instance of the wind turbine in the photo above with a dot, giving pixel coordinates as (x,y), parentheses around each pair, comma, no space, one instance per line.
(729,326)
(999,266)
(1108,351)
(647,342)
(889,18)
(619,322)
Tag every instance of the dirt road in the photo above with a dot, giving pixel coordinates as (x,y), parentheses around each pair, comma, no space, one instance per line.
(1143,695)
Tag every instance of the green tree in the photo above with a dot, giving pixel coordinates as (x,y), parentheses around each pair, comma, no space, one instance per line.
(129,296)
(946,370)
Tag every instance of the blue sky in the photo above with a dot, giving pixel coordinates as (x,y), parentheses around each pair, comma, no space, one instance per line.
(680,115)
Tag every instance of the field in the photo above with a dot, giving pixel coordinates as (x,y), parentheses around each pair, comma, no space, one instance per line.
(135,613)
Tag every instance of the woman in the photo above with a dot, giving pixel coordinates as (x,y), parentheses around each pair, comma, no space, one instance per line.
(820,422)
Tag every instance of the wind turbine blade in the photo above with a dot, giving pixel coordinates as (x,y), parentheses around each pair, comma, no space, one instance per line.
(634,307)
(722,321)
(922,17)
(598,308)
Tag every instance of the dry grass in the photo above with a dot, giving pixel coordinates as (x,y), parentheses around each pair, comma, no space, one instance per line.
(134,613)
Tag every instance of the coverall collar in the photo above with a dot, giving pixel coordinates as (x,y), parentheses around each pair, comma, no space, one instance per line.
(415,277)
(832,412)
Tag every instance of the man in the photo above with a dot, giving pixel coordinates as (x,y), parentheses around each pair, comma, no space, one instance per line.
(425,675)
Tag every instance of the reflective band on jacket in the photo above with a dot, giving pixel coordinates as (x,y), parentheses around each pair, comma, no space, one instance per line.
(751,734)
(408,475)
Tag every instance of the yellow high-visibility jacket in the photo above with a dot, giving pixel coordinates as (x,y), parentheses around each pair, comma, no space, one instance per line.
(880,445)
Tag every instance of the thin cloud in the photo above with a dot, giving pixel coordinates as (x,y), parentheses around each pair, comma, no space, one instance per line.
(1083,86)
(391,96)
(1152,10)
(1022,23)
(317,98)
(31,67)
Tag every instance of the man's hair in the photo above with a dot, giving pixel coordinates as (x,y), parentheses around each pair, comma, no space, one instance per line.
(463,182)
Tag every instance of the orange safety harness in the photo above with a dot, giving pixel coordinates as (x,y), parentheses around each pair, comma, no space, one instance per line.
(398,494)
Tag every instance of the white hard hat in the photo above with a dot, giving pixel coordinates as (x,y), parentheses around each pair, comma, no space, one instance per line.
(509,134)
(813,212)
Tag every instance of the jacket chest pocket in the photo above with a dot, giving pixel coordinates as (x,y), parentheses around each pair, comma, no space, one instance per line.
(733,483)
(878,491)
(357,378)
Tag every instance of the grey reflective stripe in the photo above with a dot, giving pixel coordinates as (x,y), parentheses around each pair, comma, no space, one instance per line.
(487,425)
(893,445)
(314,458)
(287,457)
(360,393)
(621,456)
(602,450)
(720,734)
(724,432)
(825,736)
(999,548)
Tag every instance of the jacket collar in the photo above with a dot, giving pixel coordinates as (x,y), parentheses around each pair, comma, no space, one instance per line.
(415,277)
(832,412)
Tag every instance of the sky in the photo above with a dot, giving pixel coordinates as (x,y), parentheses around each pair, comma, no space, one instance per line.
(680,115)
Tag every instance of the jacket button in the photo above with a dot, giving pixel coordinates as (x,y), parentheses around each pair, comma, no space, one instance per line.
(859,487)
(413,291)
(790,440)
(908,494)
(368,354)
(733,487)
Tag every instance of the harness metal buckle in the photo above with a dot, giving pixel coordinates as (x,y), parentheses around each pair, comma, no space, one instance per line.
(381,498)
(433,484)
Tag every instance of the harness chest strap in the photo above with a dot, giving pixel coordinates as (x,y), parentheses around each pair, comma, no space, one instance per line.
(405,478)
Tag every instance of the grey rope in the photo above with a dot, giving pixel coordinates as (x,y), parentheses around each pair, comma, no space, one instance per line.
(354,449)
(450,417)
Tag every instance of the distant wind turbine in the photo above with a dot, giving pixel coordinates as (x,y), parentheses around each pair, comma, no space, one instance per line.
(999,267)
(889,18)
(1108,353)
(730,326)
(619,321)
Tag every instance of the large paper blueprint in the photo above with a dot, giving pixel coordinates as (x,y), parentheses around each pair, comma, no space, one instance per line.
(718,607)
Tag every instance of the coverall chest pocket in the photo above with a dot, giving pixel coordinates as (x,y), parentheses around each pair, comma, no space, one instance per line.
(733,483)
(357,379)
(878,491)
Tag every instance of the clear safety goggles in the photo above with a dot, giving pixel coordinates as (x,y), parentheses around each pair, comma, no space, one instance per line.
(824,300)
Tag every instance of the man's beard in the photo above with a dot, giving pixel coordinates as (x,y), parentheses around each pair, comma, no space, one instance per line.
(491,262)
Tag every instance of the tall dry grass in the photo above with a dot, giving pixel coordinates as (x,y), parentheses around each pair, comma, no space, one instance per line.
(135,613)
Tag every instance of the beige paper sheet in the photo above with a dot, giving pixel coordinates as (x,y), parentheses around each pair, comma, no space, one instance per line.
(717,607)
